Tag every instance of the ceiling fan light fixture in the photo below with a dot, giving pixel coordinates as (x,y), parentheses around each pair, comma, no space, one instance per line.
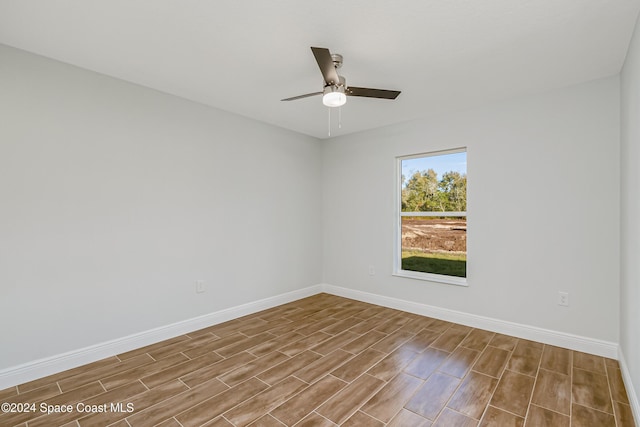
(334,96)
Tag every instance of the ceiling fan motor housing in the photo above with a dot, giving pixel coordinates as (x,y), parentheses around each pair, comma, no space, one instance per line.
(342,82)
(334,95)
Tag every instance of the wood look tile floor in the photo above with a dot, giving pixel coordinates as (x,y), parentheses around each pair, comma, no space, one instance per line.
(327,361)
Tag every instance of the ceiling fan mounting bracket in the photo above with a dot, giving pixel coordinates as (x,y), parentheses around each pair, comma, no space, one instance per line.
(337,60)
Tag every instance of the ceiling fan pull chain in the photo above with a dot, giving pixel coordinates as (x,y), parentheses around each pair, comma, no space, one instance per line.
(329,122)
(339,117)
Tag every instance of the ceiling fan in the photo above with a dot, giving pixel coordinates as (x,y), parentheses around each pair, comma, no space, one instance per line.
(335,90)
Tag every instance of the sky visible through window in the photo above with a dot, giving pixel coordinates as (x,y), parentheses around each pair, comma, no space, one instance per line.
(440,164)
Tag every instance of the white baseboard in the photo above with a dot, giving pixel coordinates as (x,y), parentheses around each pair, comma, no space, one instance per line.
(50,365)
(40,368)
(560,339)
(628,384)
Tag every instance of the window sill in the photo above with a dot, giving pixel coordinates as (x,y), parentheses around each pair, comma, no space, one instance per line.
(450,280)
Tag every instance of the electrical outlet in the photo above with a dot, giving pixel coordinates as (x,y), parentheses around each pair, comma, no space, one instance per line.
(372,270)
(199,286)
(563,298)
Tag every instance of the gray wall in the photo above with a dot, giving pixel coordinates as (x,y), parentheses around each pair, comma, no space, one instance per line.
(630,212)
(543,209)
(116,198)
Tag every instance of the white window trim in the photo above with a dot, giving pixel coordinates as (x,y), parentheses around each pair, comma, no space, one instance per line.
(398,214)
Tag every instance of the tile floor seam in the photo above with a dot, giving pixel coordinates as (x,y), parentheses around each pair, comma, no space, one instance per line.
(318,414)
(520,373)
(413,412)
(303,390)
(365,412)
(407,400)
(446,404)
(484,412)
(263,382)
(571,387)
(554,372)
(547,409)
(533,388)
(595,409)
(503,410)
(457,412)
(615,416)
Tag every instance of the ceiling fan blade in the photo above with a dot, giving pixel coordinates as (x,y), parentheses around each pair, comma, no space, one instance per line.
(293,98)
(325,62)
(372,93)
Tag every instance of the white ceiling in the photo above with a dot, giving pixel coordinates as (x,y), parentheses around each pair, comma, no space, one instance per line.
(244,56)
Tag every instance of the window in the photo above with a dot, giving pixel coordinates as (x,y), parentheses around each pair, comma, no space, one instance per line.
(431,220)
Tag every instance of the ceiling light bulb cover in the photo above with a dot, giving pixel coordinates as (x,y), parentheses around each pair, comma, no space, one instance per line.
(334,96)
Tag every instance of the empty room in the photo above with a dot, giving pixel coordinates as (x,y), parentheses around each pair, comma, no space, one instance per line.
(342,213)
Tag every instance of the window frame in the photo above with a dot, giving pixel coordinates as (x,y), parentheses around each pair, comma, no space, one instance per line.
(398,214)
